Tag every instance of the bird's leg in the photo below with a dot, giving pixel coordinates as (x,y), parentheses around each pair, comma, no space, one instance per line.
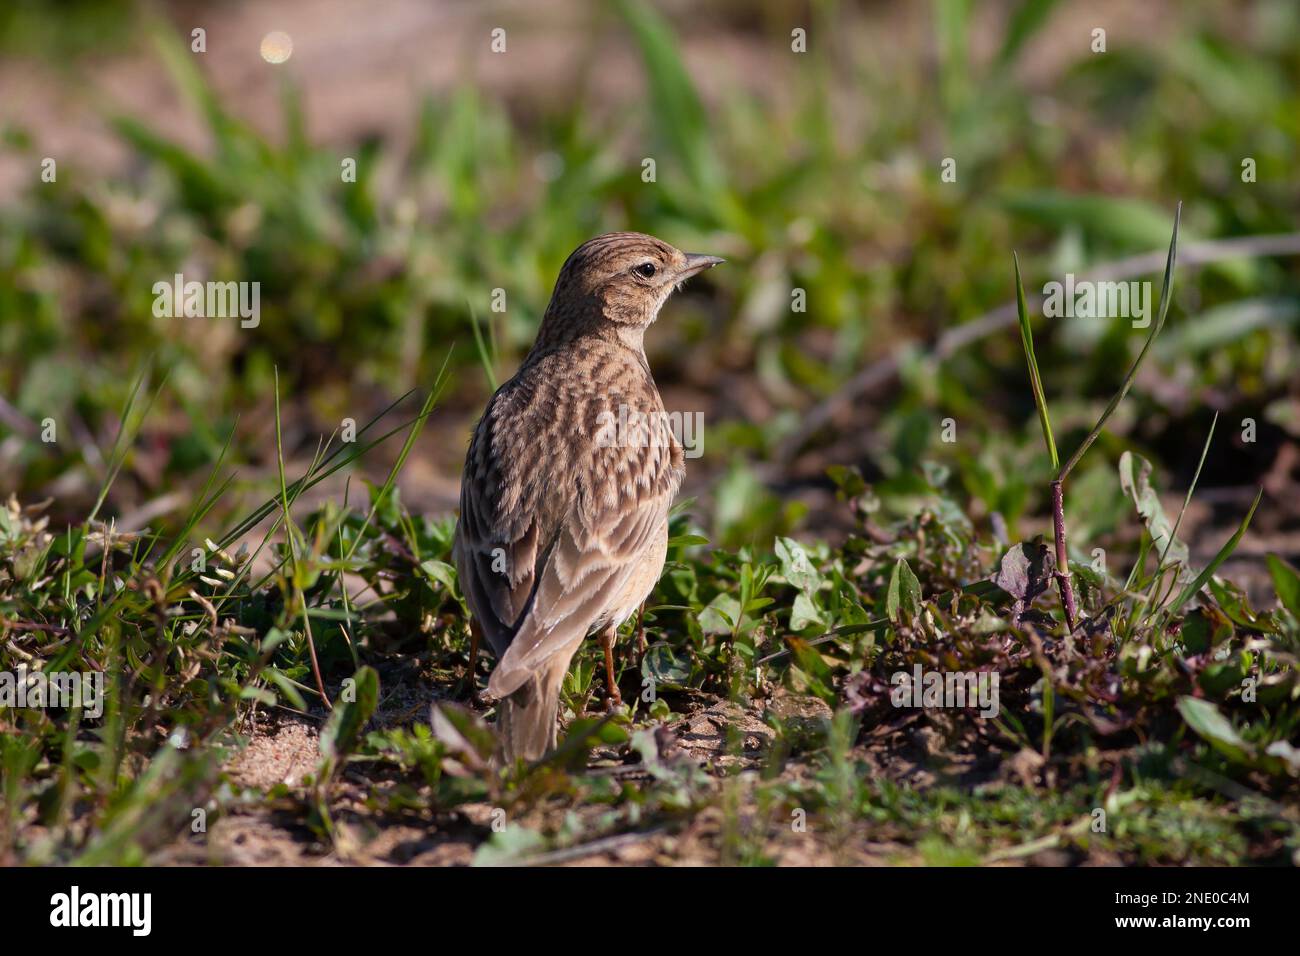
(474,635)
(607,642)
(473,643)
(640,628)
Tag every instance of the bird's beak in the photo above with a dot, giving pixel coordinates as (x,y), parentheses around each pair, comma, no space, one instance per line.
(696,263)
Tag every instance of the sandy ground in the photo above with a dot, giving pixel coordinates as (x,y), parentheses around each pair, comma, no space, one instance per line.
(722,738)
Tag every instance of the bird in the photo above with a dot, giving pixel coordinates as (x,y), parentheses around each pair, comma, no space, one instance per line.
(567,485)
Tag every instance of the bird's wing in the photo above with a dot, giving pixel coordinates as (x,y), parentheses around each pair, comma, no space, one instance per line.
(555,520)
(496,559)
(584,580)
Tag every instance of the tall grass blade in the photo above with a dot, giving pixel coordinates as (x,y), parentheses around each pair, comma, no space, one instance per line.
(1165,290)
(1225,552)
(1026,20)
(1173,534)
(125,437)
(486,355)
(1035,380)
(416,427)
(678,114)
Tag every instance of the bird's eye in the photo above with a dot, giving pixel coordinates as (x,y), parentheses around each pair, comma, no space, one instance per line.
(645,270)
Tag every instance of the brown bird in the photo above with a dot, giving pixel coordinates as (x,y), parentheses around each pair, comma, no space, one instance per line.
(564,499)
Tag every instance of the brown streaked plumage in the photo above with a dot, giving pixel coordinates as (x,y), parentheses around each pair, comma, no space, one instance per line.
(563,519)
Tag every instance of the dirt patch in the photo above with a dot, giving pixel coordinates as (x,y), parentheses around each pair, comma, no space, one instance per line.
(285,754)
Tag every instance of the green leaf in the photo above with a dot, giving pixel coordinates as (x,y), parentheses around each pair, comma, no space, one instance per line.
(904,596)
(1157,579)
(662,665)
(440,572)
(1135,481)
(486,352)
(721,616)
(804,613)
(286,687)
(815,674)
(1236,607)
(259,694)
(796,566)
(1204,718)
(848,480)
(463,733)
(1286,581)
(274,638)
(511,845)
(1223,325)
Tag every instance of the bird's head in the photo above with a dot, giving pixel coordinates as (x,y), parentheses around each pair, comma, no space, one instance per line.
(622,278)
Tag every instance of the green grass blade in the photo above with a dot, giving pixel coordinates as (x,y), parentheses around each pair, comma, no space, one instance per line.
(1165,292)
(411,436)
(952,24)
(284,492)
(349,455)
(1035,380)
(125,437)
(1173,534)
(677,112)
(487,356)
(1225,552)
(1026,20)
(204,501)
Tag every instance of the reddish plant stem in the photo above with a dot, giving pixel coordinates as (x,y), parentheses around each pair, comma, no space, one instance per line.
(315,666)
(1062,572)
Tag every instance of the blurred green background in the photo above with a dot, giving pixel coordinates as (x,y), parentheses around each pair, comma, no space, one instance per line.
(817,171)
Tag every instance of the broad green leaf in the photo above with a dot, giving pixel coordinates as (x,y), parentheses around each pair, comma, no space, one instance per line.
(721,616)
(804,613)
(664,666)
(904,596)
(1204,718)
(796,566)
(1286,581)
(440,572)
(510,846)
(1135,481)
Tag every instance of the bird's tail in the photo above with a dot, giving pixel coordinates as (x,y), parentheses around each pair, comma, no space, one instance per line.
(526,718)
